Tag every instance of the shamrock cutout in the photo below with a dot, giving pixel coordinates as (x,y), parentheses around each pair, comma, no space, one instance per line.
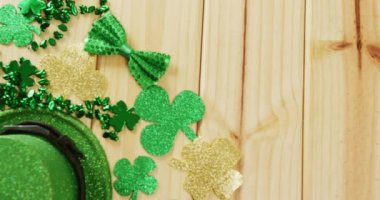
(16,27)
(72,73)
(132,179)
(153,105)
(123,117)
(209,168)
(36,6)
(20,74)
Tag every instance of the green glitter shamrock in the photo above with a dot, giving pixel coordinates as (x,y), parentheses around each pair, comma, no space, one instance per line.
(36,6)
(16,27)
(153,105)
(132,179)
(123,117)
(108,37)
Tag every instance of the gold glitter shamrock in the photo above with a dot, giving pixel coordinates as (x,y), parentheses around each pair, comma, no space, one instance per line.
(73,73)
(15,27)
(209,167)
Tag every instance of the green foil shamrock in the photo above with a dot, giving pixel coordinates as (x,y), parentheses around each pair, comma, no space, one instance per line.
(15,27)
(132,179)
(153,105)
(35,6)
(108,37)
(123,117)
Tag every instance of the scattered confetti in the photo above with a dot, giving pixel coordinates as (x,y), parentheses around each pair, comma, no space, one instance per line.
(153,105)
(209,168)
(132,179)
(108,37)
(15,27)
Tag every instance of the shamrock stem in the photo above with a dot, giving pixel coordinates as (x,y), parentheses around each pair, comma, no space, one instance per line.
(189,133)
(134,195)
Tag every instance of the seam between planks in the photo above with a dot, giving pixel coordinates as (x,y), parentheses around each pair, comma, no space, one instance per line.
(201,59)
(303,99)
(240,166)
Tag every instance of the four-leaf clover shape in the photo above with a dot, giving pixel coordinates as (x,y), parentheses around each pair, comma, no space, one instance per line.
(132,179)
(15,27)
(153,105)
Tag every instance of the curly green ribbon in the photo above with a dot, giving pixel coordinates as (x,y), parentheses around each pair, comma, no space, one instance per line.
(108,37)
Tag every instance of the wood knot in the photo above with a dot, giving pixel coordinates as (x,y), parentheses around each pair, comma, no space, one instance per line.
(374,51)
(340,45)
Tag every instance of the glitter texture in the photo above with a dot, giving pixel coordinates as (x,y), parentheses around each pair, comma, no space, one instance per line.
(108,37)
(73,73)
(32,161)
(132,179)
(35,6)
(19,92)
(209,168)
(96,170)
(153,105)
(15,27)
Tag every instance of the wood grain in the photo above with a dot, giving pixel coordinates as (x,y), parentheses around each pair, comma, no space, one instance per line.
(341,104)
(170,26)
(273,92)
(222,68)
(295,84)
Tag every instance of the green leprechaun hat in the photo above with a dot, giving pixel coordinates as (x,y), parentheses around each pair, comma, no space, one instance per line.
(49,155)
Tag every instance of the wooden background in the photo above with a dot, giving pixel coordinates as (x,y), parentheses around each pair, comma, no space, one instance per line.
(294,83)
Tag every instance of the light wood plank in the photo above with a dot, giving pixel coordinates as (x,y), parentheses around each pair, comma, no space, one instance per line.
(169,26)
(273,97)
(222,69)
(341,104)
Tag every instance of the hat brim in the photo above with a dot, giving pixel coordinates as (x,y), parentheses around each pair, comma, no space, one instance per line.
(95,165)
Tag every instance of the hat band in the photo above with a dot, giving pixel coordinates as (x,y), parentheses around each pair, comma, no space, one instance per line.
(65,145)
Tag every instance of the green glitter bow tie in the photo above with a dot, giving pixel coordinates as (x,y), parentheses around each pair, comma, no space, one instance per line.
(108,37)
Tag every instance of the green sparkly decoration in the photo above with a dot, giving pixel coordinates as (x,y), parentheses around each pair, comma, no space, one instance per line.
(19,92)
(132,179)
(95,165)
(44,44)
(35,6)
(15,27)
(108,37)
(60,10)
(62,27)
(153,105)
(58,35)
(52,41)
(19,74)
(123,117)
